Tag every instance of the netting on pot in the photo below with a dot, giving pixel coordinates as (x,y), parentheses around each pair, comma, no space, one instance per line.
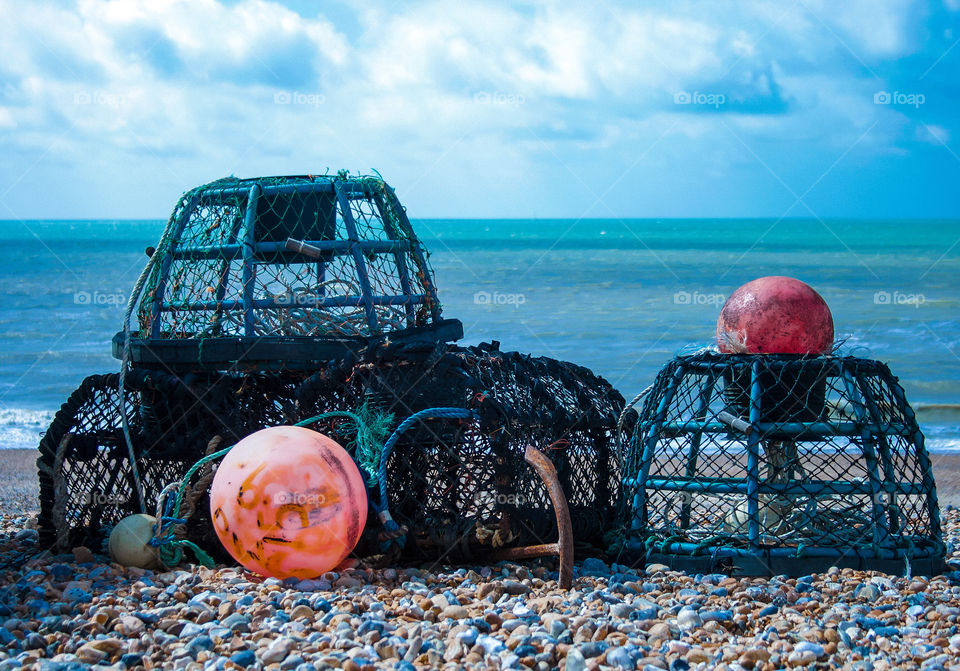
(290,268)
(292,300)
(767,464)
(459,487)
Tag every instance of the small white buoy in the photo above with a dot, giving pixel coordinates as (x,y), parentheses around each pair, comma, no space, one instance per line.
(769,514)
(130,542)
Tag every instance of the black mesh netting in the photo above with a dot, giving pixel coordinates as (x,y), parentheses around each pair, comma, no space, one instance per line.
(790,455)
(461,487)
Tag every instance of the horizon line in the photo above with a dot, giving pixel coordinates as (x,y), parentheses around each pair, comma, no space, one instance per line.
(951,218)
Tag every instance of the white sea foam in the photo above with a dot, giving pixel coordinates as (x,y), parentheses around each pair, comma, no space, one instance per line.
(22,427)
(942,445)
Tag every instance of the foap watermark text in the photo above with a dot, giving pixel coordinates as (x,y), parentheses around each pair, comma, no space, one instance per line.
(115,299)
(698,298)
(714,100)
(299,98)
(497,298)
(899,298)
(899,98)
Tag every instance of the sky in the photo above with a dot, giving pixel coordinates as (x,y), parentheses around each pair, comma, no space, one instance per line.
(807,108)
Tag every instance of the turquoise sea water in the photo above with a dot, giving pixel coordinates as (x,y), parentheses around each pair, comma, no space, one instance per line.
(620,297)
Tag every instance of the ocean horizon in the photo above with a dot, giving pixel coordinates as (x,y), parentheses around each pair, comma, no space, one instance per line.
(620,297)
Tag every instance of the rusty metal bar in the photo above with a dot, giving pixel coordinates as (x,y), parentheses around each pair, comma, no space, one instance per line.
(529,552)
(564,545)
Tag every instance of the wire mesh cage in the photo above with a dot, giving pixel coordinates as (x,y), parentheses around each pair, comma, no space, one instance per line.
(460,487)
(284,268)
(779,464)
(272,300)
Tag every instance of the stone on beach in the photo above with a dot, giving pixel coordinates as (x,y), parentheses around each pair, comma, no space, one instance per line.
(60,611)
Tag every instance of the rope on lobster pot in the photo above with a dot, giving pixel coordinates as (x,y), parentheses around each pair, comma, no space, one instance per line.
(125,359)
(623,417)
(169,546)
(393,533)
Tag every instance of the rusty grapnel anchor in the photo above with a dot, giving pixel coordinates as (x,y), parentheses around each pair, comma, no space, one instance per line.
(564,545)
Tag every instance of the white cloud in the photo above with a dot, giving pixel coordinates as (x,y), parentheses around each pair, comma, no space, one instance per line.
(191,88)
(933,134)
(6,119)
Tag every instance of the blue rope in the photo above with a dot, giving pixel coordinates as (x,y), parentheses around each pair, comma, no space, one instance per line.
(429,413)
(383,509)
(167,543)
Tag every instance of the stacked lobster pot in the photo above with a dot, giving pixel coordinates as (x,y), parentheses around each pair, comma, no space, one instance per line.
(768,464)
(271,300)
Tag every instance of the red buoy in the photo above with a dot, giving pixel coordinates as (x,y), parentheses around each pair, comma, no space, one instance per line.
(775,315)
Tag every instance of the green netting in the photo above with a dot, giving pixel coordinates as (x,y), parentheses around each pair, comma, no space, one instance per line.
(232,262)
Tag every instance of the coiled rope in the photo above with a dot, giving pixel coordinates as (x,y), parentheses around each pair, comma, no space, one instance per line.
(623,417)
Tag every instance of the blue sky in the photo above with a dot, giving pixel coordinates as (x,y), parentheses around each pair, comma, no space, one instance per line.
(488,109)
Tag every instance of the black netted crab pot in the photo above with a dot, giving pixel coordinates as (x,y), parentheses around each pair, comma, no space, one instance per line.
(779,464)
(461,487)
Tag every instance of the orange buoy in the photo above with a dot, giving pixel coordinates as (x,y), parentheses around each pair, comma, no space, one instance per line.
(775,315)
(288,502)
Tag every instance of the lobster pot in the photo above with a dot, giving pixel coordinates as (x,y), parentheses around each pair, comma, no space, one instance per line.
(272,300)
(464,489)
(461,487)
(283,272)
(779,464)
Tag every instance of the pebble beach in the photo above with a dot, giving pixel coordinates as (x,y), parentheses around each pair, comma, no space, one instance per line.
(79,610)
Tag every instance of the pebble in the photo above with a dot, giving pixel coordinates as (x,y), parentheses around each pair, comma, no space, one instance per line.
(34,641)
(619,659)
(594,567)
(244,658)
(237,622)
(200,643)
(515,588)
(867,592)
(801,658)
(302,611)
(277,651)
(455,612)
(716,615)
(82,555)
(808,646)
(689,620)
(753,656)
(592,649)
(661,630)
(57,611)
(131,626)
(575,661)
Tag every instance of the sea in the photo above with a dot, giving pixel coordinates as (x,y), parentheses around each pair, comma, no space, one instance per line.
(618,296)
